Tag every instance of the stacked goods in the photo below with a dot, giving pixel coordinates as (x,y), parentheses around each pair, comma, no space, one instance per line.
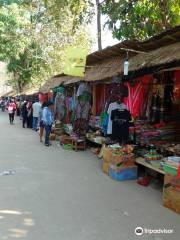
(173,148)
(155,134)
(122,165)
(171,193)
(171,165)
(152,155)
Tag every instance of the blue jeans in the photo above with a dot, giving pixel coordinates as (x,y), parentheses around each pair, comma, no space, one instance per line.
(35,123)
(48,131)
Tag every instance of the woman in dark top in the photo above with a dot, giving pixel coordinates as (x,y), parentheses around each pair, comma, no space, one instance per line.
(24,114)
(30,115)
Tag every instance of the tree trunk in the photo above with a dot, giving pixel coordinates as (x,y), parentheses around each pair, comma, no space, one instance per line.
(18,83)
(99,25)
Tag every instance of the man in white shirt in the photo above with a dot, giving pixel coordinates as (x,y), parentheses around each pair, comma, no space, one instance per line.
(36,112)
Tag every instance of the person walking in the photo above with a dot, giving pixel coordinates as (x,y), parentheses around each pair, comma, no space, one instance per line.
(11,111)
(36,108)
(30,114)
(24,114)
(48,119)
(41,124)
(18,108)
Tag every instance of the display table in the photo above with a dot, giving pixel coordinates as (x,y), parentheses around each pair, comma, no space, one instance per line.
(143,162)
(97,140)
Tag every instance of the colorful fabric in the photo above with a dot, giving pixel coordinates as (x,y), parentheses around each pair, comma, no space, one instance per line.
(137,95)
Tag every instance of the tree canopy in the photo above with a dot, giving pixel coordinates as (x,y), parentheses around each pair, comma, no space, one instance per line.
(140,19)
(34,36)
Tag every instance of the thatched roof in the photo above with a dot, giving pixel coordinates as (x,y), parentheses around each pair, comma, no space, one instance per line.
(165,38)
(160,58)
(111,67)
(57,80)
(9,94)
(30,90)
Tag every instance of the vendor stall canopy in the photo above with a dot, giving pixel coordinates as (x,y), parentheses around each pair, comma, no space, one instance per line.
(159,52)
(58,80)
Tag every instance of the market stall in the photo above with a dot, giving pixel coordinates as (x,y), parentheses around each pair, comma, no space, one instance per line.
(141,110)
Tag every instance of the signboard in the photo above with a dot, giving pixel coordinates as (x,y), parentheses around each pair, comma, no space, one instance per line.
(75,61)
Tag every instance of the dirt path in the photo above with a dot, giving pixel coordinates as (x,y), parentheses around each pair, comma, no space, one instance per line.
(63,195)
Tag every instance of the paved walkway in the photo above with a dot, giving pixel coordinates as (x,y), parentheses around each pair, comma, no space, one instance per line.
(63,195)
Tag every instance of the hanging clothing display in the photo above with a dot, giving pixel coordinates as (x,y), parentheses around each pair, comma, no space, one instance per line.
(82,114)
(82,109)
(120,125)
(113,106)
(176,92)
(59,106)
(83,87)
(137,92)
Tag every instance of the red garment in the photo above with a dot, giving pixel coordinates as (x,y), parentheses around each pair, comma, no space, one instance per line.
(178,174)
(100,98)
(137,94)
(177,84)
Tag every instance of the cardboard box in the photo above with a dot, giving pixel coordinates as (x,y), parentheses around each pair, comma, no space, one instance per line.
(105,167)
(128,173)
(126,159)
(171,193)
(107,152)
(170,180)
(171,199)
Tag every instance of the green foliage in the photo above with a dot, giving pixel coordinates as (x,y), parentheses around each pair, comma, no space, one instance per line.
(34,35)
(140,19)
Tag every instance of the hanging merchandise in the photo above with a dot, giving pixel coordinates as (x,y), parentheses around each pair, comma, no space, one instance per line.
(59,89)
(137,92)
(82,114)
(59,106)
(126,66)
(120,125)
(177,86)
(83,87)
(113,106)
